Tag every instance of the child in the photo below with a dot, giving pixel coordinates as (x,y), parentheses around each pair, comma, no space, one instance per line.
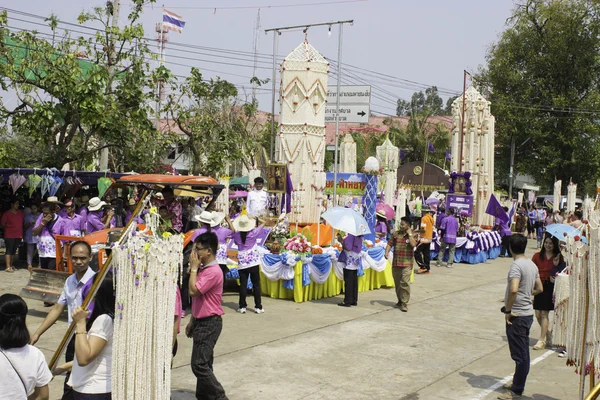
(165,223)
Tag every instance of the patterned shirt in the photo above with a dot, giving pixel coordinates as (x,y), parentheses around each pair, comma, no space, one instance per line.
(176,209)
(403,251)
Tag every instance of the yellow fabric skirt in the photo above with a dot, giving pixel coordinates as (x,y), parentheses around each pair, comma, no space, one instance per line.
(331,287)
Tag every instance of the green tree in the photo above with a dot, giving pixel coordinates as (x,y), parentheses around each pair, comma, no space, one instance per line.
(448,109)
(429,102)
(218,130)
(543,74)
(81,94)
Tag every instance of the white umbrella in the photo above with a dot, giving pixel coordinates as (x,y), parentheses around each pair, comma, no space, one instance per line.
(347,220)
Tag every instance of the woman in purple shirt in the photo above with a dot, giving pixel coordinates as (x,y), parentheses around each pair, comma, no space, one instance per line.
(211,222)
(245,237)
(95,215)
(350,256)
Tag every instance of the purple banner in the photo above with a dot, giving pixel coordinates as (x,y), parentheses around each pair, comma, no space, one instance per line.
(463,204)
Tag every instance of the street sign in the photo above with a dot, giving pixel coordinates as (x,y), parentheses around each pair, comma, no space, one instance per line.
(349,113)
(354,104)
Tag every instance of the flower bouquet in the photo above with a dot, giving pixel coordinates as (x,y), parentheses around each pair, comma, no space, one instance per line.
(298,244)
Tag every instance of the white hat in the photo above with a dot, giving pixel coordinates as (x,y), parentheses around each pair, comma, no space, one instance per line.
(244,224)
(217,218)
(96,204)
(53,200)
(205,217)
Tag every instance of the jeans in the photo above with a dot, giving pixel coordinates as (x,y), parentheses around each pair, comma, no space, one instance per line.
(206,332)
(423,255)
(351,286)
(255,278)
(31,248)
(505,252)
(443,246)
(518,344)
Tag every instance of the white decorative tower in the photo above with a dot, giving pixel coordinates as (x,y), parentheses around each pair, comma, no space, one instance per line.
(477,149)
(348,154)
(389,160)
(301,136)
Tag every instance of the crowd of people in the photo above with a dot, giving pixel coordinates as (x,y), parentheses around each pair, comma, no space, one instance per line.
(88,354)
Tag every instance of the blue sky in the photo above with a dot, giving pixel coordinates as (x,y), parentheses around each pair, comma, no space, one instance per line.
(429,42)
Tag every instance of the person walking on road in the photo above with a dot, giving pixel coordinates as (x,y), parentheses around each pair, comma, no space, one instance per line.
(449,229)
(523,283)
(350,257)
(423,250)
(206,289)
(71,296)
(402,242)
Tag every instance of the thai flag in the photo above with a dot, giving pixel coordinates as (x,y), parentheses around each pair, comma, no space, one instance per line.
(173,21)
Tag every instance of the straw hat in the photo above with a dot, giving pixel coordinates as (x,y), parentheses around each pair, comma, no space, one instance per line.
(217,218)
(96,204)
(53,200)
(381,214)
(132,202)
(205,217)
(243,223)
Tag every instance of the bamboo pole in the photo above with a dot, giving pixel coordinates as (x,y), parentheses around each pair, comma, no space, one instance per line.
(585,321)
(96,285)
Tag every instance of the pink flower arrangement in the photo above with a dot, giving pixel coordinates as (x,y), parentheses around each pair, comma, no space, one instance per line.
(298,244)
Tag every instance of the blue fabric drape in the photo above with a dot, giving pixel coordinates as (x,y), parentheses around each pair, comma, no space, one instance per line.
(376,253)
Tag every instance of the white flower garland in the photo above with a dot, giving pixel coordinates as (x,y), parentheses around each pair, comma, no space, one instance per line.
(146,268)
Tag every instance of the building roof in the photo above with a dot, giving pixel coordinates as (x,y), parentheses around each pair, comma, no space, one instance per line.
(169,126)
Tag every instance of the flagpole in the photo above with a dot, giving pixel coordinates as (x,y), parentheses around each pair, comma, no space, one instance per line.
(423,172)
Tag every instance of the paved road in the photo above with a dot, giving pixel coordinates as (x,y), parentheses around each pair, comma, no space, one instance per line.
(450,345)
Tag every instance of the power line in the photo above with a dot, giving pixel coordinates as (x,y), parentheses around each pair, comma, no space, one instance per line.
(265,6)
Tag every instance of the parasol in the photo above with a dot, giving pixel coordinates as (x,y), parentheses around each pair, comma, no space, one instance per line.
(347,220)
(559,231)
(54,186)
(103,185)
(16,180)
(386,209)
(34,182)
(47,180)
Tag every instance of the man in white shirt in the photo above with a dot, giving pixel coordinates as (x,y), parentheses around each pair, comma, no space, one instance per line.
(258,199)
(71,296)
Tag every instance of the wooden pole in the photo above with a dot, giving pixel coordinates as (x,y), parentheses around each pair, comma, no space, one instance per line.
(96,285)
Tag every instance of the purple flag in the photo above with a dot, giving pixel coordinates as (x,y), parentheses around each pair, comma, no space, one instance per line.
(430,147)
(401,155)
(286,204)
(495,209)
(448,156)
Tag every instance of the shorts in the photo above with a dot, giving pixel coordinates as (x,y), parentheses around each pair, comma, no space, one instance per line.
(12,245)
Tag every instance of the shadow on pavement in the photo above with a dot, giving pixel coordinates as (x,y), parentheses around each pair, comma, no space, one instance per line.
(182,394)
(383,303)
(480,381)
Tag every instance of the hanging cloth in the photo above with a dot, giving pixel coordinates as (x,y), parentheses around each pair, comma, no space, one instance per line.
(16,180)
(54,186)
(103,185)
(34,182)
(47,181)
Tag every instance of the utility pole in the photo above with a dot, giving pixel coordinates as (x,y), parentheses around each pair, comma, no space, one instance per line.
(511,175)
(162,40)
(256,41)
(112,61)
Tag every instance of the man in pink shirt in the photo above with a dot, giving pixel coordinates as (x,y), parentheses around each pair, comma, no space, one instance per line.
(206,290)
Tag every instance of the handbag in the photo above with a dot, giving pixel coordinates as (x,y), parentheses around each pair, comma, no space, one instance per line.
(17,372)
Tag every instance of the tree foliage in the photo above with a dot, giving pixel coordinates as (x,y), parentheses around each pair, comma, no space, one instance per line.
(218,129)
(429,102)
(82,94)
(543,74)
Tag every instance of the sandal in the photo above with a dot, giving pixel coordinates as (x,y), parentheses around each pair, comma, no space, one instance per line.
(9,270)
(540,345)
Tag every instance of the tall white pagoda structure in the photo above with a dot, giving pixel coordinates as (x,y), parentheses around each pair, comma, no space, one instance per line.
(301,137)
(474,152)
